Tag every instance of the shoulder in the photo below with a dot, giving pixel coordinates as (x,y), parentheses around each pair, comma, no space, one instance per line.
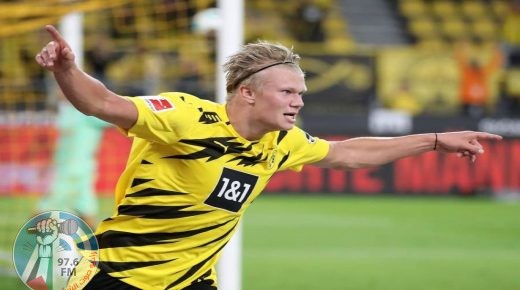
(299,148)
(186,99)
(168,101)
(300,140)
(297,135)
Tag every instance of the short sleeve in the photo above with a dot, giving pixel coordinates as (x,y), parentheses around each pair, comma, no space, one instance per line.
(164,118)
(301,148)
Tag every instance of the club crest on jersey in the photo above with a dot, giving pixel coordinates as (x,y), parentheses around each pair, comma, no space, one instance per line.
(158,103)
(272,159)
(232,190)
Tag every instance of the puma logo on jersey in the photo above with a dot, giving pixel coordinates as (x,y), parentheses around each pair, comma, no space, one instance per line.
(158,103)
(232,190)
(209,118)
(310,138)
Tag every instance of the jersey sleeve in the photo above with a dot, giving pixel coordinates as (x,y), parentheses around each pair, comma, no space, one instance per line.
(303,149)
(164,118)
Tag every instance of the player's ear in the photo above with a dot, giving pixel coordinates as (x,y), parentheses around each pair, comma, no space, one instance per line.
(247,94)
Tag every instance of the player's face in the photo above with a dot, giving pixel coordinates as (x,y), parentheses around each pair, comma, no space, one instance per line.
(279,98)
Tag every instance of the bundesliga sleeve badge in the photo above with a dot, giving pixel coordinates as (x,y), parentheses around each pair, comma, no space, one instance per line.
(158,103)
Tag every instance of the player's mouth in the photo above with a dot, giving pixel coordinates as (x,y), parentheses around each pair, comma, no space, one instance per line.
(291,117)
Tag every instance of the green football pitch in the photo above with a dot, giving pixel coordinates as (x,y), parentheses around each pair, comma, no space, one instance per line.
(334,242)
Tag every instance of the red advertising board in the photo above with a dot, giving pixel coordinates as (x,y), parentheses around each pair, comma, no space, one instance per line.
(26,157)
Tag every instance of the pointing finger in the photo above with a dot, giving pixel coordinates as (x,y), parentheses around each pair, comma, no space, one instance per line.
(483,135)
(56,35)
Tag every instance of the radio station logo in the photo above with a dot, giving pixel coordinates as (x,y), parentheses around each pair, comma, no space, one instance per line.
(48,248)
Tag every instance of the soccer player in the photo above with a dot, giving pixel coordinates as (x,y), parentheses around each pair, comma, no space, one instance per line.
(195,165)
(74,163)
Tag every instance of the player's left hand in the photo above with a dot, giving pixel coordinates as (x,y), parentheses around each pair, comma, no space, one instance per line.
(464,143)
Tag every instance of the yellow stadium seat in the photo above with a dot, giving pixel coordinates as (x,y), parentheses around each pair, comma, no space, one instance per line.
(423,27)
(499,7)
(473,8)
(485,29)
(413,8)
(444,8)
(454,29)
(512,79)
(432,43)
(426,32)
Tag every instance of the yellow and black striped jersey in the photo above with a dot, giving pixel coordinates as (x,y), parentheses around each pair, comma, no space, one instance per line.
(188,180)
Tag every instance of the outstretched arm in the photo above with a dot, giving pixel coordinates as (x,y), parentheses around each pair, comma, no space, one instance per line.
(375,151)
(87,94)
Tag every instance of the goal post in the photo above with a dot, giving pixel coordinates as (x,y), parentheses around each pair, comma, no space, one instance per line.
(230,38)
(71,27)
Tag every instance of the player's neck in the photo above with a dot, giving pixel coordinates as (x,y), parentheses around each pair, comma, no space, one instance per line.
(242,120)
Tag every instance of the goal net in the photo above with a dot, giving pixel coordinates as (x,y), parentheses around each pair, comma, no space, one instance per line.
(135,47)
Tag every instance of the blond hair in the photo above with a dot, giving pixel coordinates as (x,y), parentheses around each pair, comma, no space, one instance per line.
(252,58)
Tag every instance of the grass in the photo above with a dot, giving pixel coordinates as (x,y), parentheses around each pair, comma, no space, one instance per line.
(381,243)
(337,242)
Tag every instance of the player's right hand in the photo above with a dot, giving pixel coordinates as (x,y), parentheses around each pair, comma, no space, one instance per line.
(56,56)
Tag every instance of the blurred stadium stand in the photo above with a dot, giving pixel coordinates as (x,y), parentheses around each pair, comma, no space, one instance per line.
(154,46)
(434,23)
(374,22)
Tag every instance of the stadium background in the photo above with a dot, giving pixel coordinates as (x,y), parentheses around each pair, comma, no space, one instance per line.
(373,67)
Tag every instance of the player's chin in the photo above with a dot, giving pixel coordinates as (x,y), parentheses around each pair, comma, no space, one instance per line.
(286,126)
